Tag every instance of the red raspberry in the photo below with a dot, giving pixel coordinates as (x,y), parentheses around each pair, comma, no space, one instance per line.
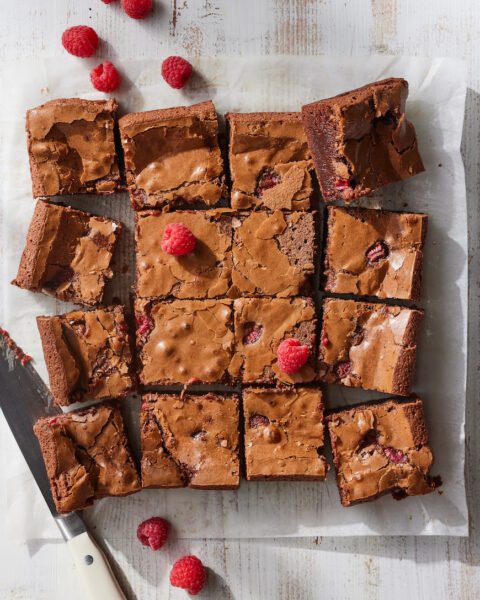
(176,71)
(178,240)
(394,455)
(188,573)
(144,324)
(137,9)
(108,1)
(80,40)
(292,356)
(105,77)
(153,532)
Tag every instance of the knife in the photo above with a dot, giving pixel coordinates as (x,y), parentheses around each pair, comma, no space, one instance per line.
(24,398)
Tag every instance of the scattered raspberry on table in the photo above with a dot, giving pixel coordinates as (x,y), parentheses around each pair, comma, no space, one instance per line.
(176,71)
(80,40)
(178,240)
(153,532)
(292,356)
(137,9)
(105,77)
(188,573)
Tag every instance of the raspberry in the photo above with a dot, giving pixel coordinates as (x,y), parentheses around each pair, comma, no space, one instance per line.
(105,77)
(252,332)
(176,71)
(258,421)
(292,356)
(137,9)
(394,455)
(80,40)
(342,184)
(188,573)
(144,324)
(268,179)
(343,368)
(377,252)
(153,532)
(178,240)
(108,1)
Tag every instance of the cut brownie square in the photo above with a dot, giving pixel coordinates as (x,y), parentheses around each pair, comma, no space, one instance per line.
(190,441)
(270,162)
(361,140)
(71,146)
(381,448)
(68,254)
(184,341)
(172,157)
(273,253)
(88,354)
(284,434)
(261,324)
(370,346)
(375,253)
(87,456)
(204,273)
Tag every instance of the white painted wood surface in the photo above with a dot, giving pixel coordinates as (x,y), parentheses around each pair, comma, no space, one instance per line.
(293,569)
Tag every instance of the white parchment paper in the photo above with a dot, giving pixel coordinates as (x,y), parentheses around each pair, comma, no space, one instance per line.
(262,509)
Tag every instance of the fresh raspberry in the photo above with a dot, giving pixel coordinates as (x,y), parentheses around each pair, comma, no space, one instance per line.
(176,71)
(188,573)
(80,40)
(108,1)
(178,240)
(105,77)
(137,9)
(292,356)
(153,532)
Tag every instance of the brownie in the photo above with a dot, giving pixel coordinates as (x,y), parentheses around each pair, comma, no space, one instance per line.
(87,456)
(184,341)
(261,324)
(172,157)
(204,273)
(87,354)
(71,146)
(68,254)
(381,448)
(270,163)
(273,253)
(190,441)
(375,253)
(284,434)
(361,140)
(370,346)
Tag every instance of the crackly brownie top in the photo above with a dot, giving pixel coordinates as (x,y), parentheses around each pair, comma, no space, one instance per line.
(381,448)
(270,162)
(284,433)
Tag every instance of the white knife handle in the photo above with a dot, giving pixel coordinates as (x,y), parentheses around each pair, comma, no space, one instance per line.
(97,576)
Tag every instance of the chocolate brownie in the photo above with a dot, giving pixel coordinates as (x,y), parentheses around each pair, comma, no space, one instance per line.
(68,254)
(273,253)
(270,163)
(361,140)
(88,354)
(87,456)
(375,253)
(381,448)
(190,441)
(370,346)
(284,434)
(172,157)
(71,146)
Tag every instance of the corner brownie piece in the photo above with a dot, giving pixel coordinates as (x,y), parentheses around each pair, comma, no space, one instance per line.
(172,157)
(68,254)
(87,456)
(370,346)
(273,253)
(270,162)
(71,146)
(284,434)
(190,441)
(381,448)
(87,354)
(361,140)
(375,253)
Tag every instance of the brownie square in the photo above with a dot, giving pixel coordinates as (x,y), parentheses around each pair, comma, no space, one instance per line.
(71,146)
(381,448)
(361,140)
(87,456)
(204,273)
(87,354)
(270,162)
(68,254)
(261,324)
(273,253)
(184,341)
(375,252)
(172,157)
(190,441)
(370,346)
(284,434)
